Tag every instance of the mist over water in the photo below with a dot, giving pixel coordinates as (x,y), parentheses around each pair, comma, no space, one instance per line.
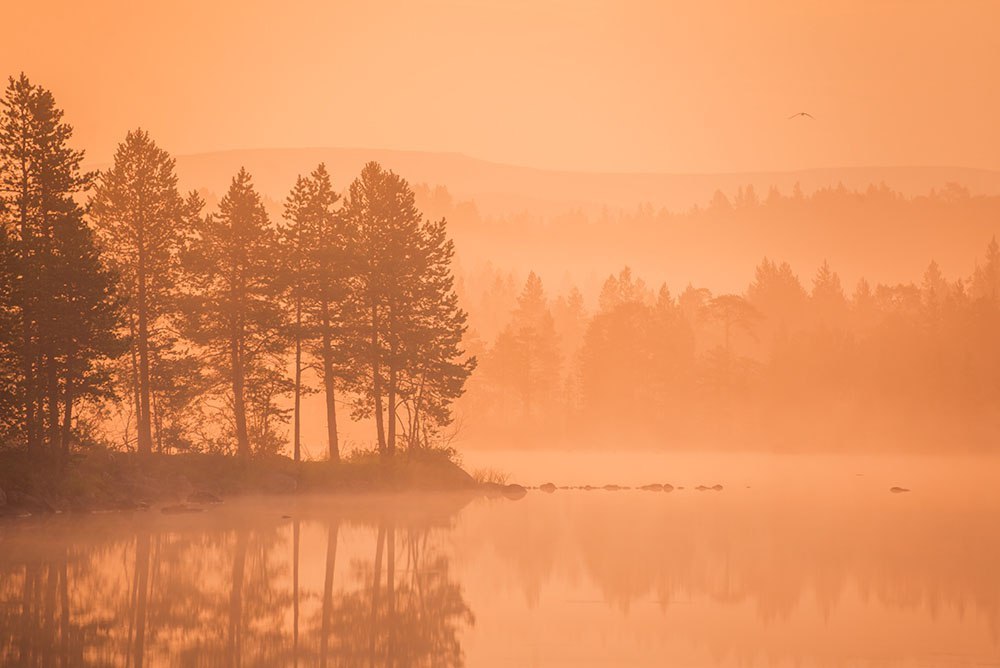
(799,560)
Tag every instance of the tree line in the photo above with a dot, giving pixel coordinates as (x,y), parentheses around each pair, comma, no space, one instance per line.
(118,290)
(782,364)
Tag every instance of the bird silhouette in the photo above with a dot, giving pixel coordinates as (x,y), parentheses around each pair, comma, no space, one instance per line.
(802,113)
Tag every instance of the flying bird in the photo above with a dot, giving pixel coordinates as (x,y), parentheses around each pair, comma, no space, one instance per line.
(802,113)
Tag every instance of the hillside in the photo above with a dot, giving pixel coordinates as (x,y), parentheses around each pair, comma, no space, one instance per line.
(501,189)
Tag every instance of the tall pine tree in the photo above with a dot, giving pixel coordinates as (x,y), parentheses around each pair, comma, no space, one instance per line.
(140,216)
(232,312)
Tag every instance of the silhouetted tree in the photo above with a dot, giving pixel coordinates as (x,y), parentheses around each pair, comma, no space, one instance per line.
(231,310)
(63,305)
(406,324)
(139,214)
(319,255)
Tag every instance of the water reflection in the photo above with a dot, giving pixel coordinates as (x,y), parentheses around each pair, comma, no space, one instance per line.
(846,574)
(232,589)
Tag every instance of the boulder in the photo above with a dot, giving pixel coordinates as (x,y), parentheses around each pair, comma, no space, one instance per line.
(548,488)
(514,491)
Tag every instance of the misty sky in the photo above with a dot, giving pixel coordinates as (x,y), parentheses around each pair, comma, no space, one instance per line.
(603,85)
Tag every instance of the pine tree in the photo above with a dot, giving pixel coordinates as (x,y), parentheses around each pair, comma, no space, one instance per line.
(231,310)
(405,321)
(528,349)
(140,216)
(319,261)
(435,374)
(63,299)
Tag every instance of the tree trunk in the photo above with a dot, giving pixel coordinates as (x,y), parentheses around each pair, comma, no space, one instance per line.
(239,402)
(297,417)
(392,408)
(67,425)
(377,382)
(28,286)
(53,400)
(145,444)
(391,399)
(135,376)
(329,382)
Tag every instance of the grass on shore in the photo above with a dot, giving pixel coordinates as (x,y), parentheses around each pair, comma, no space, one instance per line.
(104,479)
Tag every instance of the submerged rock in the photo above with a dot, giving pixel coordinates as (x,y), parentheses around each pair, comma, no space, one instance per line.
(654,487)
(667,487)
(717,488)
(702,488)
(548,488)
(514,491)
(612,488)
(898,490)
(179,509)
(201,496)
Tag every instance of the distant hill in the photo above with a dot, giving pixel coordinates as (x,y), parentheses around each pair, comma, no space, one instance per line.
(499,188)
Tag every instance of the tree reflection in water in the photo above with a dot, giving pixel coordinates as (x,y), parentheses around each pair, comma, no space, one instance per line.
(228,591)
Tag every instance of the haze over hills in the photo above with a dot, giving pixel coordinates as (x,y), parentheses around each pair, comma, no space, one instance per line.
(502,189)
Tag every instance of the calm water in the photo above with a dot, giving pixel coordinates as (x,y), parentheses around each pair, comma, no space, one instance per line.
(799,561)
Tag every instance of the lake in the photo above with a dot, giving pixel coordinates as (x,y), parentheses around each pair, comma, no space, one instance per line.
(798,561)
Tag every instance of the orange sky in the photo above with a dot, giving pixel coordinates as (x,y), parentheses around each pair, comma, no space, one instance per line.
(575,84)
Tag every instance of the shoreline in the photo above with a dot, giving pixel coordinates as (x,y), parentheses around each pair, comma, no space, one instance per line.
(102,480)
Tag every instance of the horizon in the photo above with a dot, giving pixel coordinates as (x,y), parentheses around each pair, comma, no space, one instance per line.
(595,86)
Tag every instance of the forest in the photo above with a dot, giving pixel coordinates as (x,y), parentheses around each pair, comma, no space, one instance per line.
(141,318)
(122,298)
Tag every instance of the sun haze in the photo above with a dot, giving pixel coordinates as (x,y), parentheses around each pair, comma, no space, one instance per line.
(596,85)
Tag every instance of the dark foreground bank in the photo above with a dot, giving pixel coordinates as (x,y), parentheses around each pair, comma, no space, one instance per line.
(105,480)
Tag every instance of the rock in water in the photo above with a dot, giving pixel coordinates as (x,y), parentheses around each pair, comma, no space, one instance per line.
(514,492)
(898,490)
(548,488)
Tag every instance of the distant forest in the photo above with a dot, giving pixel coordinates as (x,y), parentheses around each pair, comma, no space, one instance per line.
(785,364)
(136,317)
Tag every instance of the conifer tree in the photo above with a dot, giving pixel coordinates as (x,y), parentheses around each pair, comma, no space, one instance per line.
(405,321)
(231,310)
(63,303)
(317,244)
(140,216)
